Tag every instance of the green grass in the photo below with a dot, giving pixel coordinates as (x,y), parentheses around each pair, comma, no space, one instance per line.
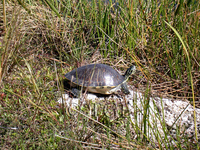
(40,41)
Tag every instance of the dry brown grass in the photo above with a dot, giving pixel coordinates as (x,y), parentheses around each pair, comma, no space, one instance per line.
(38,48)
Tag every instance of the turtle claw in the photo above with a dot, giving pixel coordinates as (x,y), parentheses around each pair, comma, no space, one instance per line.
(124,88)
(76,92)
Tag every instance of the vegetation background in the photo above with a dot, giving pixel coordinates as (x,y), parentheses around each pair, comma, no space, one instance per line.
(42,40)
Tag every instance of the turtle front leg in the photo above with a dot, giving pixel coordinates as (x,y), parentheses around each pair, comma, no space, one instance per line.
(124,88)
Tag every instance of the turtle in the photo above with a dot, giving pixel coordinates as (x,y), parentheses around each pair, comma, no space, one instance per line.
(98,78)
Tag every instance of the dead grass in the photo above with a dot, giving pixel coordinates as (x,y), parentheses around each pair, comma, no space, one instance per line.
(39,48)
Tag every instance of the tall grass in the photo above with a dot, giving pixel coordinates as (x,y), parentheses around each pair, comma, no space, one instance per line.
(42,40)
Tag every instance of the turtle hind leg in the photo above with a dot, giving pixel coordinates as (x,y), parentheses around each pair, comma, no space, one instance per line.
(124,88)
(76,92)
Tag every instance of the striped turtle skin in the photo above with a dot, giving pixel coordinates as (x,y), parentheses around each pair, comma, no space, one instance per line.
(98,78)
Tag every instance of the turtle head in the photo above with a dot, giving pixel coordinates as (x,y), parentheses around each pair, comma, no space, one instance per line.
(129,72)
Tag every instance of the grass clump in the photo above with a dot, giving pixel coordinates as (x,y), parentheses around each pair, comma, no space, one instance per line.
(42,40)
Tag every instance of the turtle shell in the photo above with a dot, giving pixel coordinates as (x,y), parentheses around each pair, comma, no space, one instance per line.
(95,76)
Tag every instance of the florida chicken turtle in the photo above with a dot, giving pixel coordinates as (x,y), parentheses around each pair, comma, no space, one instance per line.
(98,78)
